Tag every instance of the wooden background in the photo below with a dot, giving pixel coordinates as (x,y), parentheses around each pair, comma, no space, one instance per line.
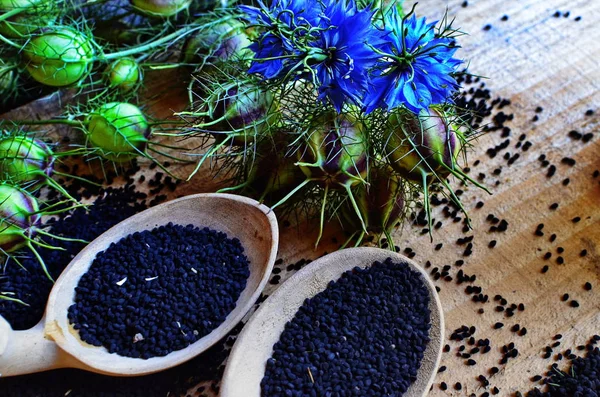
(534,59)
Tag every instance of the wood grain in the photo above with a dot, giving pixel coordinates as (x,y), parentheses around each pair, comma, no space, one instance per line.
(533,59)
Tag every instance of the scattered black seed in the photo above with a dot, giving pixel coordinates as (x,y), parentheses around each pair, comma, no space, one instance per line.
(365,333)
(547,255)
(551,171)
(457,386)
(554,206)
(560,260)
(557,14)
(487,27)
(154,292)
(498,325)
(565,297)
(574,303)
(580,380)
(492,244)
(575,135)
(566,182)
(568,161)
(583,253)
(587,286)
(576,219)
(553,237)
(587,137)
(588,112)
(545,269)
(443,386)
(504,18)
(560,250)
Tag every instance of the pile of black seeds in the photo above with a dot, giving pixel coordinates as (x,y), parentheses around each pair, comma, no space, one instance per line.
(30,284)
(582,379)
(364,335)
(160,290)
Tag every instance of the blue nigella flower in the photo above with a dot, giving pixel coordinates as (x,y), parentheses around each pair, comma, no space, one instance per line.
(274,52)
(341,55)
(415,68)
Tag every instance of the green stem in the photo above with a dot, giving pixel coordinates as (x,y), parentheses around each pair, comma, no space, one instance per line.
(40,260)
(322,218)
(175,36)
(74,123)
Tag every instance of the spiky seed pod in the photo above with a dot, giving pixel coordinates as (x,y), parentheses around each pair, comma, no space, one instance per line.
(242,113)
(123,74)
(335,152)
(161,8)
(58,57)
(381,202)
(37,14)
(424,144)
(118,130)
(225,41)
(18,217)
(25,159)
(273,174)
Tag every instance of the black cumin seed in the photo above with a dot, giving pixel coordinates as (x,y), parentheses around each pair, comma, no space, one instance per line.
(545,269)
(565,297)
(576,219)
(551,171)
(574,303)
(560,260)
(587,286)
(554,206)
(583,253)
(487,27)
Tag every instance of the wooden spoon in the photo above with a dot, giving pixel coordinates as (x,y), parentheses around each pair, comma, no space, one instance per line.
(54,343)
(254,346)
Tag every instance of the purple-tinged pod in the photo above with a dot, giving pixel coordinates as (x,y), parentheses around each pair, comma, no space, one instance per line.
(425,148)
(227,41)
(25,159)
(333,156)
(335,151)
(19,217)
(28,162)
(241,114)
(424,144)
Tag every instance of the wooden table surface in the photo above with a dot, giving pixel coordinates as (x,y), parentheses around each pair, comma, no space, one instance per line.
(534,59)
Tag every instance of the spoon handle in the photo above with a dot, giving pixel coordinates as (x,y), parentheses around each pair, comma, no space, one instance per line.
(26,352)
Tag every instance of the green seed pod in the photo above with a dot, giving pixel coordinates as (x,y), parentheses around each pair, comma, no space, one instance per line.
(225,41)
(381,202)
(273,174)
(118,130)
(123,74)
(36,15)
(24,159)
(58,57)
(242,113)
(160,8)
(335,154)
(18,217)
(426,144)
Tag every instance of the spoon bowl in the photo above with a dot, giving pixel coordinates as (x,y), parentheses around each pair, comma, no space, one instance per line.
(254,346)
(54,343)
